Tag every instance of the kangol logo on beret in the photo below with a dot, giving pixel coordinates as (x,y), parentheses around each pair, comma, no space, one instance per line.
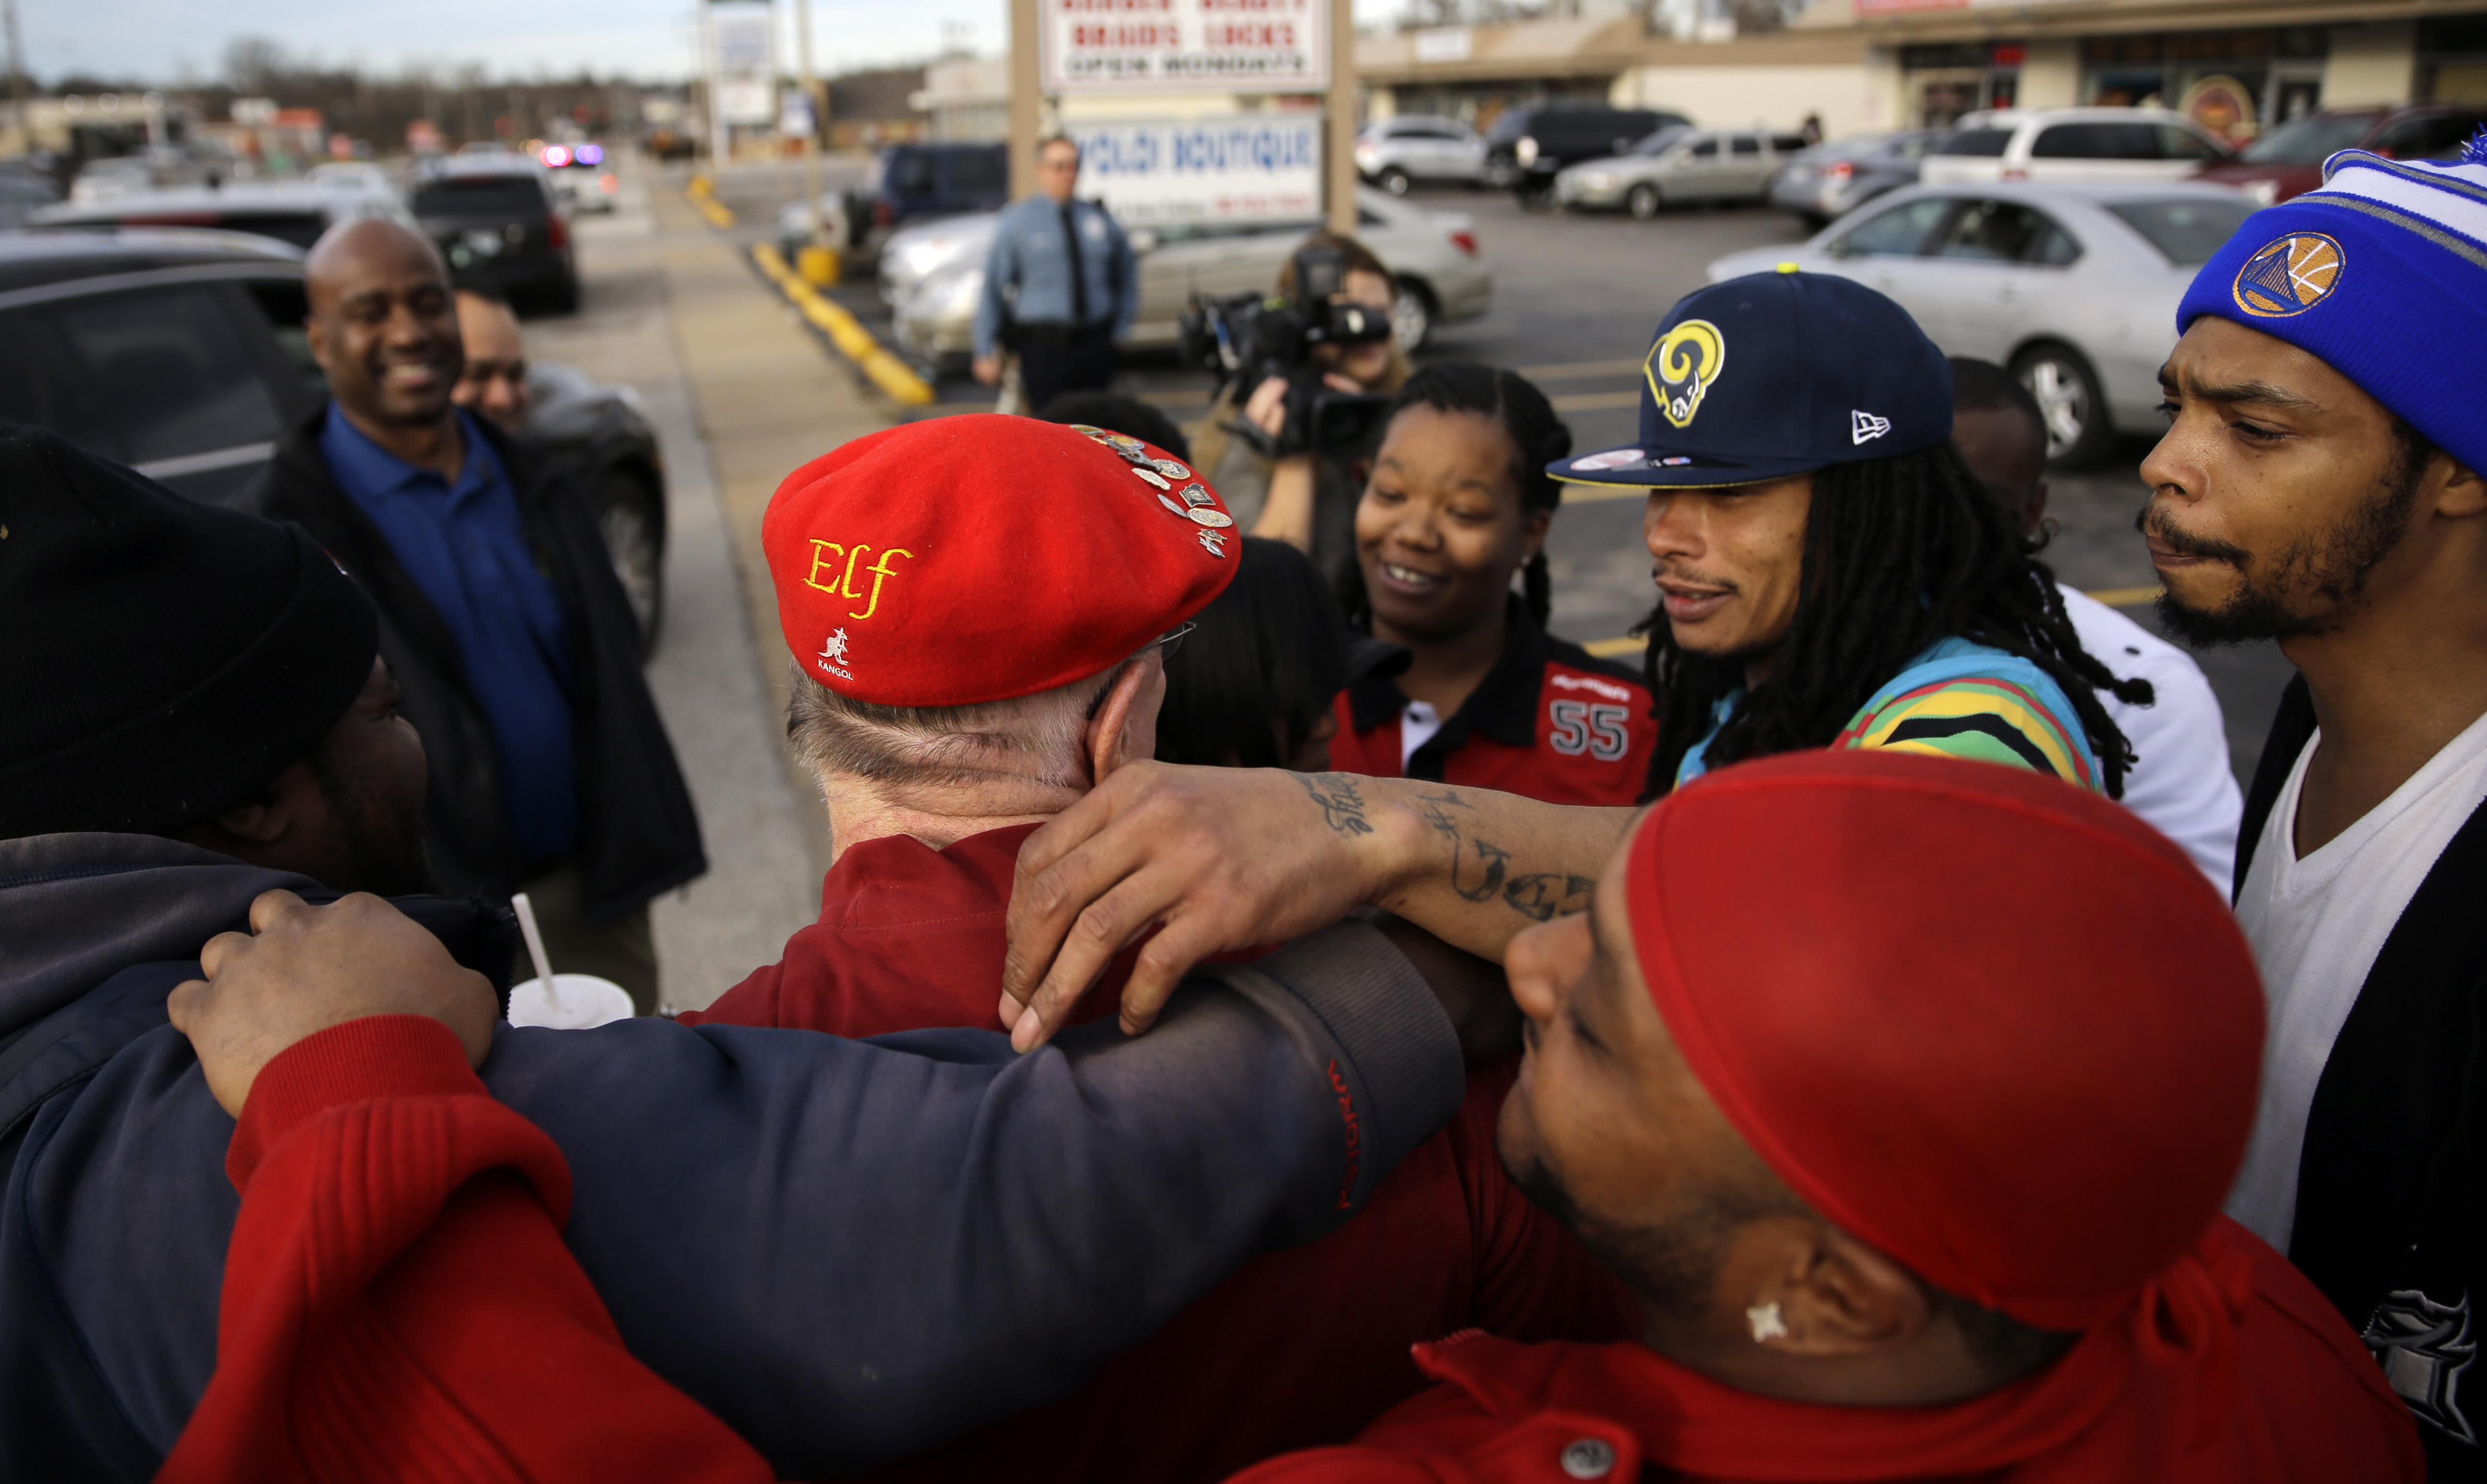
(2289,275)
(1682,366)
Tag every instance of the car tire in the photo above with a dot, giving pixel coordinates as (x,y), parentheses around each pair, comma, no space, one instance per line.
(1412,316)
(1534,197)
(561,295)
(2071,403)
(631,512)
(1643,202)
(1394,180)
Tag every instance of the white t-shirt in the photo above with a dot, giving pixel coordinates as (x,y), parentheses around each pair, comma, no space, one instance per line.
(2316,925)
(1417,725)
(2181,780)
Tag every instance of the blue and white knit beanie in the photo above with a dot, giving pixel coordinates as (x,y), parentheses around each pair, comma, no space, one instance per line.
(2381,273)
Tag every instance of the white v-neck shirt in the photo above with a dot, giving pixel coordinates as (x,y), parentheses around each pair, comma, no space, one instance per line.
(2316,924)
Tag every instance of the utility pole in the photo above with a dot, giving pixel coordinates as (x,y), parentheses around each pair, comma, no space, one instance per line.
(1026,96)
(1340,184)
(820,261)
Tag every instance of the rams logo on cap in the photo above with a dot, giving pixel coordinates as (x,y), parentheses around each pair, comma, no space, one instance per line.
(1682,366)
(2289,276)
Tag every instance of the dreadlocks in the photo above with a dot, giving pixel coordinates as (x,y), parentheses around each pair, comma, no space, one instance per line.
(1898,553)
(1538,437)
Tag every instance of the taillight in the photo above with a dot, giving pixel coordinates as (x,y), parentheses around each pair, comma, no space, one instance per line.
(881,214)
(556,233)
(608,183)
(1840,170)
(2016,172)
(1464,241)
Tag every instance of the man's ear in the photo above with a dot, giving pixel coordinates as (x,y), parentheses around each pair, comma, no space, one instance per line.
(2463,492)
(1125,726)
(314,331)
(264,819)
(1842,1298)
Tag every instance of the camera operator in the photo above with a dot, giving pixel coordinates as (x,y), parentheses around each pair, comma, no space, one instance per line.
(1308,424)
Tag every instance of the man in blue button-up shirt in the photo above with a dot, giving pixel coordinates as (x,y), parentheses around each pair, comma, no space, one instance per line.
(549,769)
(1061,286)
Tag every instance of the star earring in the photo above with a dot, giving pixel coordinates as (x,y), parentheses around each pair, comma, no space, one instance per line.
(1767,1322)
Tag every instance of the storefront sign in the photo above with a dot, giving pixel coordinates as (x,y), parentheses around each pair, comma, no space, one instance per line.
(742,77)
(1251,168)
(1177,46)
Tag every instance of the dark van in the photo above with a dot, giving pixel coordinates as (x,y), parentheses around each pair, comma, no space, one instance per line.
(500,226)
(1528,146)
(906,181)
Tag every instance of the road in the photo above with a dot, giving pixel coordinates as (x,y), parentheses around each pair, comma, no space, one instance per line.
(1575,299)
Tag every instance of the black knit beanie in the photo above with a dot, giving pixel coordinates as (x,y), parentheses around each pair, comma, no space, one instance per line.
(160,660)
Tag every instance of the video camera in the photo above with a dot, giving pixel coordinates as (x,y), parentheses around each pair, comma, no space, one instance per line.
(1248,338)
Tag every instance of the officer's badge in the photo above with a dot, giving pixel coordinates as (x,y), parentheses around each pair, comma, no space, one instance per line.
(1682,367)
(2289,275)
(1197,496)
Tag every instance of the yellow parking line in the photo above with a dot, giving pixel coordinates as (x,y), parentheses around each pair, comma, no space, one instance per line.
(2112,597)
(845,331)
(702,195)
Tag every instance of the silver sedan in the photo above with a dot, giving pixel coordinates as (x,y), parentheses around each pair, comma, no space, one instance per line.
(2073,286)
(932,275)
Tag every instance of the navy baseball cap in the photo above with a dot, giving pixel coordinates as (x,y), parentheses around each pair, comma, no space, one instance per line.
(1777,374)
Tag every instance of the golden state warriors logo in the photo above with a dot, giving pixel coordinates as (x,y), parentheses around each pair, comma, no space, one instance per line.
(2289,276)
(1682,366)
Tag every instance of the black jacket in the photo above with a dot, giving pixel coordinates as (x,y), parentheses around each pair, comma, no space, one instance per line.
(638,833)
(2389,1180)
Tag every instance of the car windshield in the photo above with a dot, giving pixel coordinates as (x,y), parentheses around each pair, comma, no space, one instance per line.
(2186,232)
(2309,140)
(1662,141)
(1989,143)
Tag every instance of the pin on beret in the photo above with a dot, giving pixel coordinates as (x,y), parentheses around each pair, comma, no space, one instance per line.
(961,560)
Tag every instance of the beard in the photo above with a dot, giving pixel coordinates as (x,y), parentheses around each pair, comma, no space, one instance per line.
(383,847)
(1673,1267)
(2330,566)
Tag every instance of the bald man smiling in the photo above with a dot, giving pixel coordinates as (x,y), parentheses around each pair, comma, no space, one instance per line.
(511,640)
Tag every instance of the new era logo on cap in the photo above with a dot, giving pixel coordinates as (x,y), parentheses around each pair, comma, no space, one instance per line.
(1864,427)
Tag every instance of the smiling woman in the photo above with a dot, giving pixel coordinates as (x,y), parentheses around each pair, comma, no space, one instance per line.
(1459,502)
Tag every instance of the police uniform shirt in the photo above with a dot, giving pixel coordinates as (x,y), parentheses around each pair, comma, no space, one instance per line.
(1031,276)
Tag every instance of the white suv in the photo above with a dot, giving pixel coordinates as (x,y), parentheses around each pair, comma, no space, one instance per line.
(2108,145)
(1397,152)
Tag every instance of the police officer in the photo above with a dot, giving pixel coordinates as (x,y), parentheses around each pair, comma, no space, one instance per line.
(1061,286)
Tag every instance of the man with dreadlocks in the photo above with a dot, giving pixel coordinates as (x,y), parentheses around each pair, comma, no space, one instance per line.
(1830,575)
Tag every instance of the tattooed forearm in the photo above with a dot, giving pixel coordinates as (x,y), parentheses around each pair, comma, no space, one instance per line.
(1548,894)
(1342,804)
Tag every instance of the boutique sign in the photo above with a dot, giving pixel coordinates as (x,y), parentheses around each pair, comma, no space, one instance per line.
(1249,168)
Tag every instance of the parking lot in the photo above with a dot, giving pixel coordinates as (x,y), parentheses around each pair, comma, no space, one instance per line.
(1575,298)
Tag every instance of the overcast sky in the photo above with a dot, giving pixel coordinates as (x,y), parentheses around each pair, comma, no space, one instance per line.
(172,40)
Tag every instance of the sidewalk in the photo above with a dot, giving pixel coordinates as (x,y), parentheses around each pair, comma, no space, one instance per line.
(738,396)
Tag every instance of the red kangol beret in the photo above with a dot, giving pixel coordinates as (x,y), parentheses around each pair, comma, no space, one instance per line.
(977,558)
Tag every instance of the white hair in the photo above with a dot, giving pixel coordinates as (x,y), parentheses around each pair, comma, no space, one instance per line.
(1032,738)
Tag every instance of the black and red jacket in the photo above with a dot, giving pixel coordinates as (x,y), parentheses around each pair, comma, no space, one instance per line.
(1550,720)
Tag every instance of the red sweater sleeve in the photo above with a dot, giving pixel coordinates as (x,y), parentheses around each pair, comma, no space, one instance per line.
(398,1301)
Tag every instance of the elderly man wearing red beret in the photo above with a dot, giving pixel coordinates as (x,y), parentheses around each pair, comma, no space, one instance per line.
(1904,1093)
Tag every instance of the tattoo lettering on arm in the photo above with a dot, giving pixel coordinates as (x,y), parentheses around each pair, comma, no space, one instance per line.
(1548,895)
(1342,804)
(1482,880)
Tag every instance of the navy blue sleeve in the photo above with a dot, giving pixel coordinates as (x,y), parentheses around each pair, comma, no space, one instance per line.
(854,1250)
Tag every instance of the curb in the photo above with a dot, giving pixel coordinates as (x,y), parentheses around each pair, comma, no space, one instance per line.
(833,320)
(702,195)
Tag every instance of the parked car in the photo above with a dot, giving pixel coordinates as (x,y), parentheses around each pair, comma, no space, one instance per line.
(499,225)
(290,212)
(2071,143)
(1419,150)
(1527,146)
(600,435)
(932,275)
(353,174)
(182,353)
(1834,179)
(2288,160)
(1677,166)
(22,193)
(906,182)
(581,175)
(2074,287)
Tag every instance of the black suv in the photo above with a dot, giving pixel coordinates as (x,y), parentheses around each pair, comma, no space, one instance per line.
(920,179)
(1528,146)
(499,225)
(182,354)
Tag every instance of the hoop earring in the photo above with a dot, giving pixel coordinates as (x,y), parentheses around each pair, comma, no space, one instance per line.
(1767,1322)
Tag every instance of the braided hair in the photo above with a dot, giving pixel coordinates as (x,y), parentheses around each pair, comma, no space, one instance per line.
(1898,553)
(1538,437)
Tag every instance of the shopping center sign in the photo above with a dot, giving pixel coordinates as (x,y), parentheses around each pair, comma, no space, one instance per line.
(1182,46)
